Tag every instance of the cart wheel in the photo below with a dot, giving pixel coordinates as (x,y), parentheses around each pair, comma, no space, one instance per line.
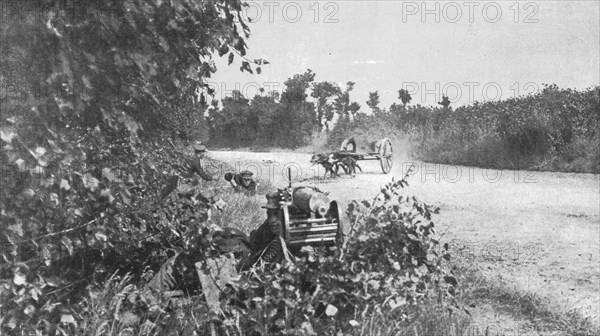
(348,145)
(386,155)
(336,214)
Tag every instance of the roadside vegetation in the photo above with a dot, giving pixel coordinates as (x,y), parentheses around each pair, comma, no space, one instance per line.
(552,130)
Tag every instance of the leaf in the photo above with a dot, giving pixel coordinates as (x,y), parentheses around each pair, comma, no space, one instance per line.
(107,193)
(100,236)
(35,293)
(90,182)
(17,228)
(450,280)
(20,164)
(19,279)
(29,310)
(47,255)
(224,49)
(108,174)
(230,59)
(375,284)
(397,302)
(68,244)
(331,310)
(28,192)
(68,319)
(220,204)
(7,134)
(260,61)
(150,164)
(246,67)
(47,182)
(55,282)
(64,184)
(40,151)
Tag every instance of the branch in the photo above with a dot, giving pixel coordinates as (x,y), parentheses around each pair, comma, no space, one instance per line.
(57,233)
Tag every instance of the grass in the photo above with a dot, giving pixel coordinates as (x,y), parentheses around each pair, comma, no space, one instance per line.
(489,151)
(241,211)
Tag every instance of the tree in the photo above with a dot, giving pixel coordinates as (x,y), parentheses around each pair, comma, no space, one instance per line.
(445,102)
(373,102)
(89,80)
(404,96)
(117,62)
(233,124)
(266,108)
(296,122)
(325,93)
(343,106)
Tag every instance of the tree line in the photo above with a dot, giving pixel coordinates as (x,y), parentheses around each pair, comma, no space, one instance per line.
(286,120)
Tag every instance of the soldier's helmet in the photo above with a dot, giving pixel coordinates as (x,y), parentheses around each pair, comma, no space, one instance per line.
(246,175)
(272,201)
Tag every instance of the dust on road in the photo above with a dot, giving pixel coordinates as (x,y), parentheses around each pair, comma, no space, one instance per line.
(536,230)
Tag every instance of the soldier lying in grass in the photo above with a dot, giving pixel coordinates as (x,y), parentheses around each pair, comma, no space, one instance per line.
(242,182)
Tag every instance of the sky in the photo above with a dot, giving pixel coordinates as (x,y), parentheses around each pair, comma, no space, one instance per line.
(467,50)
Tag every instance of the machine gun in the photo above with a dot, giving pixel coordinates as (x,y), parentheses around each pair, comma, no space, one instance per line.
(308,217)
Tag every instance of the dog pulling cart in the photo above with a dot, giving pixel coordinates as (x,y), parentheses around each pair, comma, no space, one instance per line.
(380,150)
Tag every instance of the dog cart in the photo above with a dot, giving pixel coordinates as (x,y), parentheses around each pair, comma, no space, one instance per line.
(380,150)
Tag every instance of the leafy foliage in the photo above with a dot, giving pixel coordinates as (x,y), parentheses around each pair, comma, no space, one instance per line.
(391,266)
(91,86)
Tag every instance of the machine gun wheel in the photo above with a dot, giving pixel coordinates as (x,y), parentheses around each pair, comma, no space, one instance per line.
(386,155)
(335,215)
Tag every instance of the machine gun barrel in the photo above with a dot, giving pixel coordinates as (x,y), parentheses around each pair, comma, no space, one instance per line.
(310,200)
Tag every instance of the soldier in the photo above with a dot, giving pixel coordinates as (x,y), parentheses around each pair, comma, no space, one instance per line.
(179,272)
(193,164)
(242,181)
(265,241)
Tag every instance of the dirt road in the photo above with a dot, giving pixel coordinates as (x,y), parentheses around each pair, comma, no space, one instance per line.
(537,231)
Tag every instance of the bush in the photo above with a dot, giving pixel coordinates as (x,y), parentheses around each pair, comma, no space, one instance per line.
(391,267)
